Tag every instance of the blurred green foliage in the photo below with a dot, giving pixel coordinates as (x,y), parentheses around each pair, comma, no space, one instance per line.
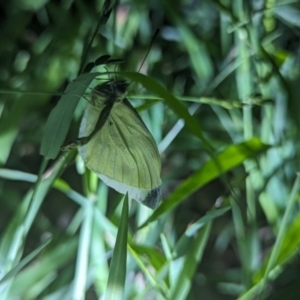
(221,99)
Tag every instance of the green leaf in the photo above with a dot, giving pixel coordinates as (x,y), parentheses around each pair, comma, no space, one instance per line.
(287,241)
(82,261)
(182,284)
(117,272)
(197,49)
(60,118)
(228,159)
(14,235)
(51,260)
(184,242)
(25,261)
(155,258)
(176,105)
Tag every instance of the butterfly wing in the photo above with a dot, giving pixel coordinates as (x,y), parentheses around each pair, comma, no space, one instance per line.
(123,153)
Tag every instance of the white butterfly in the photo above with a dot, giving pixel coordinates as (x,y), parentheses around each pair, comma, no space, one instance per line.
(115,143)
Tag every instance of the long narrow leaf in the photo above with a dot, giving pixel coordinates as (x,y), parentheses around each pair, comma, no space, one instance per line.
(229,158)
(117,272)
(61,116)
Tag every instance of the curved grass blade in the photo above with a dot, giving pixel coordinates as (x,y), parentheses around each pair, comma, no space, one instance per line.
(186,239)
(150,84)
(229,158)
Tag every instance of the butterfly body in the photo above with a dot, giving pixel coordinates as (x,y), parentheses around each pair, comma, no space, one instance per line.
(118,146)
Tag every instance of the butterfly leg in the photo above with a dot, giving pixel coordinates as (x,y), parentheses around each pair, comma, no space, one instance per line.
(84,140)
(76,143)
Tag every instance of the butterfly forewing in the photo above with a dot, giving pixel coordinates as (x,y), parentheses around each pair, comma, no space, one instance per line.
(123,152)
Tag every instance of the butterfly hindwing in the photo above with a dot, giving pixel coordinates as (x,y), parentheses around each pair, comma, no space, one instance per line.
(123,152)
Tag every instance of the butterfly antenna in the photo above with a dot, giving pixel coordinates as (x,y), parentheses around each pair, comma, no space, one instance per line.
(149,48)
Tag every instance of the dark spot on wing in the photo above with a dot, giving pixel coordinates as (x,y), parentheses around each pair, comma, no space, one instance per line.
(153,197)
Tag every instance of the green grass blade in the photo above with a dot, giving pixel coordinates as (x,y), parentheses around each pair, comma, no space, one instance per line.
(17,175)
(229,158)
(183,243)
(60,118)
(9,128)
(182,284)
(154,281)
(282,231)
(51,260)
(82,262)
(22,221)
(151,85)
(155,258)
(288,249)
(25,261)
(199,56)
(117,272)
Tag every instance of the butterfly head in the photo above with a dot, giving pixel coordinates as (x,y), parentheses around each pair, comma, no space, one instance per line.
(112,90)
(120,89)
